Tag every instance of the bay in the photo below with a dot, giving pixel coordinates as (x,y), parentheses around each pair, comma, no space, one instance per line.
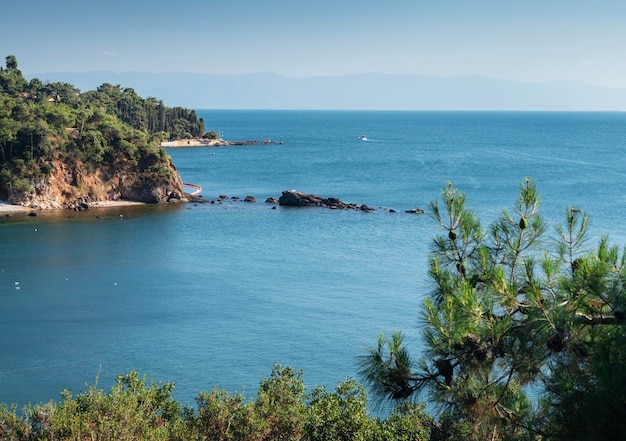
(210,295)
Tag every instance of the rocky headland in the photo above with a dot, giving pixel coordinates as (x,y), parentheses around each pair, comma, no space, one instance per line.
(61,148)
(73,185)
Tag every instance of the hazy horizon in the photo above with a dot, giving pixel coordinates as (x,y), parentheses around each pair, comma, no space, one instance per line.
(41,76)
(531,42)
(352,92)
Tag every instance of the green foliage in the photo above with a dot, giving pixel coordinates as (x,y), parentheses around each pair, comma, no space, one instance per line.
(277,414)
(407,422)
(136,409)
(588,383)
(11,78)
(584,399)
(222,416)
(133,409)
(20,185)
(388,368)
(102,129)
(13,426)
(342,415)
(147,115)
(280,405)
(509,314)
(158,172)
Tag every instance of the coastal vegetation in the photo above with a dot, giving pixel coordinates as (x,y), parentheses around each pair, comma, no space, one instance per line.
(137,409)
(52,130)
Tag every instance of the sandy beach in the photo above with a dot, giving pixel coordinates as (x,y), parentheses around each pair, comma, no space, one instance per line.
(195,142)
(103,204)
(7,208)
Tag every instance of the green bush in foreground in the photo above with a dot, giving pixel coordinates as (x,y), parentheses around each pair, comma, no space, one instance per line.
(137,409)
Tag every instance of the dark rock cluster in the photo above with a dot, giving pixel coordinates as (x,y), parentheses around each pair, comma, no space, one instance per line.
(294,198)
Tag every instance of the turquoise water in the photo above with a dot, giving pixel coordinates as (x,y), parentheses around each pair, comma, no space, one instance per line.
(215,294)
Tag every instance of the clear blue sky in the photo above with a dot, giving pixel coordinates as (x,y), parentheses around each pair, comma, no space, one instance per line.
(531,40)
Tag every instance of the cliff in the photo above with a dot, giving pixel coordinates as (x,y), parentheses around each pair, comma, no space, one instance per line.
(63,148)
(73,184)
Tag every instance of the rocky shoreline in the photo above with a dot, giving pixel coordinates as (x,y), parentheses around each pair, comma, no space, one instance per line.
(298,199)
(288,198)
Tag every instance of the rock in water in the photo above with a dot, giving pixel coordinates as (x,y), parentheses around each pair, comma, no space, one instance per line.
(294,198)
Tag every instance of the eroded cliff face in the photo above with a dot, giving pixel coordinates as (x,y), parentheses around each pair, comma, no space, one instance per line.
(71,184)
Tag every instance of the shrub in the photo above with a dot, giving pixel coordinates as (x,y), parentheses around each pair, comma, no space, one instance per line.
(132,410)
(135,409)
(341,415)
(13,427)
(280,404)
(21,185)
(408,422)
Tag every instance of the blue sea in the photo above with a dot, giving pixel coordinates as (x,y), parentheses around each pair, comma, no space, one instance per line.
(208,295)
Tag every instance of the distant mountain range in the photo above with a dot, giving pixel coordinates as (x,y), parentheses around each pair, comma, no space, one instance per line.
(370,91)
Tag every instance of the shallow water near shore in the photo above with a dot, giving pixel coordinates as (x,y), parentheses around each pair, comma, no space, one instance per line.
(210,295)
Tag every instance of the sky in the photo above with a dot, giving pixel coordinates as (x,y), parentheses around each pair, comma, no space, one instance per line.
(531,40)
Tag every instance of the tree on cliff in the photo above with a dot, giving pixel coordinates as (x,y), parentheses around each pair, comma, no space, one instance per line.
(11,79)
(523,337)
(108,130)
(148,115)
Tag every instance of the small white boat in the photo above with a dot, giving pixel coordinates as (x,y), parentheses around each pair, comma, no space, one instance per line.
(363,138)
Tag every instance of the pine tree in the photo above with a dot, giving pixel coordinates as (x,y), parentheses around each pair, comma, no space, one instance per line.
(513,328)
